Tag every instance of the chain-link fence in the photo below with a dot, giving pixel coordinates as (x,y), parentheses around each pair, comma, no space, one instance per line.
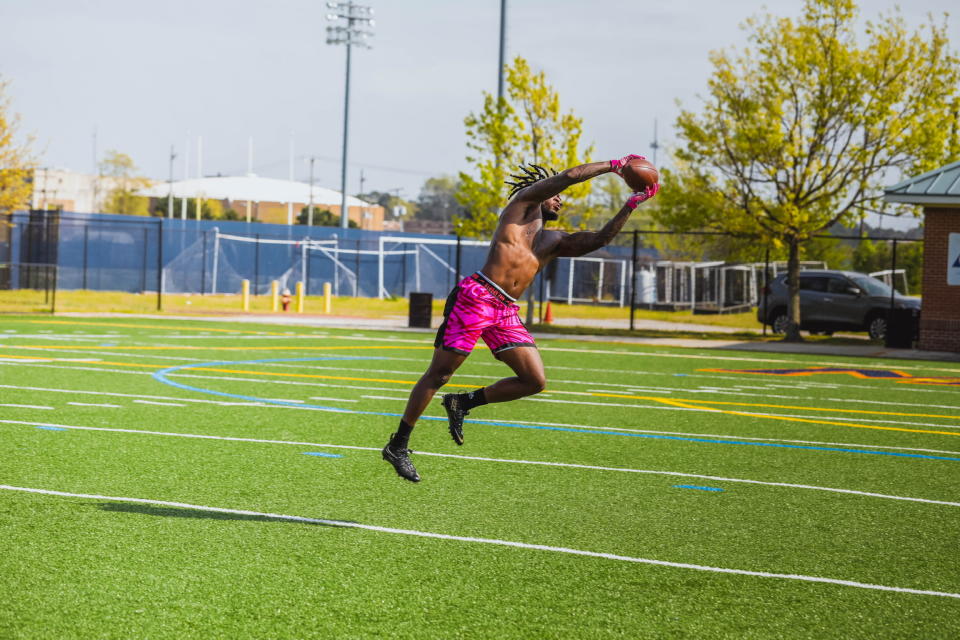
(41,252)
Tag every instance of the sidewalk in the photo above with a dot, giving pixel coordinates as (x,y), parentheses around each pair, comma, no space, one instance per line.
(399,323)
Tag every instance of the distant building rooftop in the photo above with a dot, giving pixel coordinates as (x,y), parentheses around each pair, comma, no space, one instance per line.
(250,188)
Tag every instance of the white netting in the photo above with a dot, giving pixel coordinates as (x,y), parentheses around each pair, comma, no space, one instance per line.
(219,263)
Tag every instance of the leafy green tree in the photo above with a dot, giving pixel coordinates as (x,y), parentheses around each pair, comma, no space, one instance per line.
(210,209)
(122,197)
(871,256)
(832,251)
(322,218)
(800,130)
(16,161)
(526,125)
(389,200)
(438,199)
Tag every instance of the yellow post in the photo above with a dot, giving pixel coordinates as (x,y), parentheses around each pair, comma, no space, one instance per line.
(300,297)
(245,294)
(274,296)
(326,297)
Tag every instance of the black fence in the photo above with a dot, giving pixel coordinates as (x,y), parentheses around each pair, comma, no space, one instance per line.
(41,251)
(35,290)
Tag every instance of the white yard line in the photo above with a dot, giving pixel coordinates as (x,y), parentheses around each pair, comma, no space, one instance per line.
(706,409)
(522,422)
(126,395)
(725,437)
(95,404)
(625,386)
(160,404)
(654,407)
(28,406)
(494,541)
(713,356)
(562,465)
(665,389)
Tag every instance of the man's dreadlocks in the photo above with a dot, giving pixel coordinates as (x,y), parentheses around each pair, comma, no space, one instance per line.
(531,173)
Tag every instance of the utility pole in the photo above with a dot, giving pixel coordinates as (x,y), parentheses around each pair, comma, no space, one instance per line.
(363,212)
(170,195)
(655,144)
(186,176)
(310,206)
(503,48)
(290,204)
(502,61)
(249,174)
(96,174)
(350,34)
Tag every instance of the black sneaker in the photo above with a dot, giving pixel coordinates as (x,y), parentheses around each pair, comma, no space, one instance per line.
(400,459)
(455,413)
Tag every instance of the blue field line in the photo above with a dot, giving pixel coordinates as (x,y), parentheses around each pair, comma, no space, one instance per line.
(50,428)
(161,376)
(712,441)
(693,486)
(321,454)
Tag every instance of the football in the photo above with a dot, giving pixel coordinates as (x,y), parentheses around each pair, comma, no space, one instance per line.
(639,174)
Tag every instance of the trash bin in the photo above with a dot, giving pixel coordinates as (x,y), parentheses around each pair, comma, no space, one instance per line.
(902,328)
(421,310)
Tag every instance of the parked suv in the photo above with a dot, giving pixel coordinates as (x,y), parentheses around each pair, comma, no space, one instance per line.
(834,301)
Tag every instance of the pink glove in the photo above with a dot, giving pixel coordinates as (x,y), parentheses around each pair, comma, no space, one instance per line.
(617,165)
(642,196)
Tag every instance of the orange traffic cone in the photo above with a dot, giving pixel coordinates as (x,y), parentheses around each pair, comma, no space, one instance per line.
(548,316)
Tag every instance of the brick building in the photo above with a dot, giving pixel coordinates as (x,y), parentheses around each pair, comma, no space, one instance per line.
(254,198)
(69,190)
(269,199)
(938,192)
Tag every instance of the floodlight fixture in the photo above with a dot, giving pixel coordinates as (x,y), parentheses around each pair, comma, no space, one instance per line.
(351,33)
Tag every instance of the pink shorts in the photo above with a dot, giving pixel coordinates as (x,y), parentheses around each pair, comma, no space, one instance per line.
(477,308)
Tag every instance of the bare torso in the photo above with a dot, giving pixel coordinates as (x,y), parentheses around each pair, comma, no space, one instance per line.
(520,247)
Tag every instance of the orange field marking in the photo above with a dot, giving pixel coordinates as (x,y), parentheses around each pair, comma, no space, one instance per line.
(695,404)
(682,405)
(784,406)
(896,375)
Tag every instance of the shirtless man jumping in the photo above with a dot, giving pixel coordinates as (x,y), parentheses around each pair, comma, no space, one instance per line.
(483,305)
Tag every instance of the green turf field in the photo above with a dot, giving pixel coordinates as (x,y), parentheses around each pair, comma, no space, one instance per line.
(190,479)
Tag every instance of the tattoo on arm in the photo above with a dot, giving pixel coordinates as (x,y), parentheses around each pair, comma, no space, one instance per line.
(549,187)
(583,242)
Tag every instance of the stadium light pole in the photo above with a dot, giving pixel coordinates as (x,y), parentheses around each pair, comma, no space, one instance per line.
(503,48)
(349,32)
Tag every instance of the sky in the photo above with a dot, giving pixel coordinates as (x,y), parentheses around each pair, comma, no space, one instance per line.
(207,76)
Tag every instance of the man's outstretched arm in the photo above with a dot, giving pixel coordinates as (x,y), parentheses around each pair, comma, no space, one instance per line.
(583,242)
(549,187)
